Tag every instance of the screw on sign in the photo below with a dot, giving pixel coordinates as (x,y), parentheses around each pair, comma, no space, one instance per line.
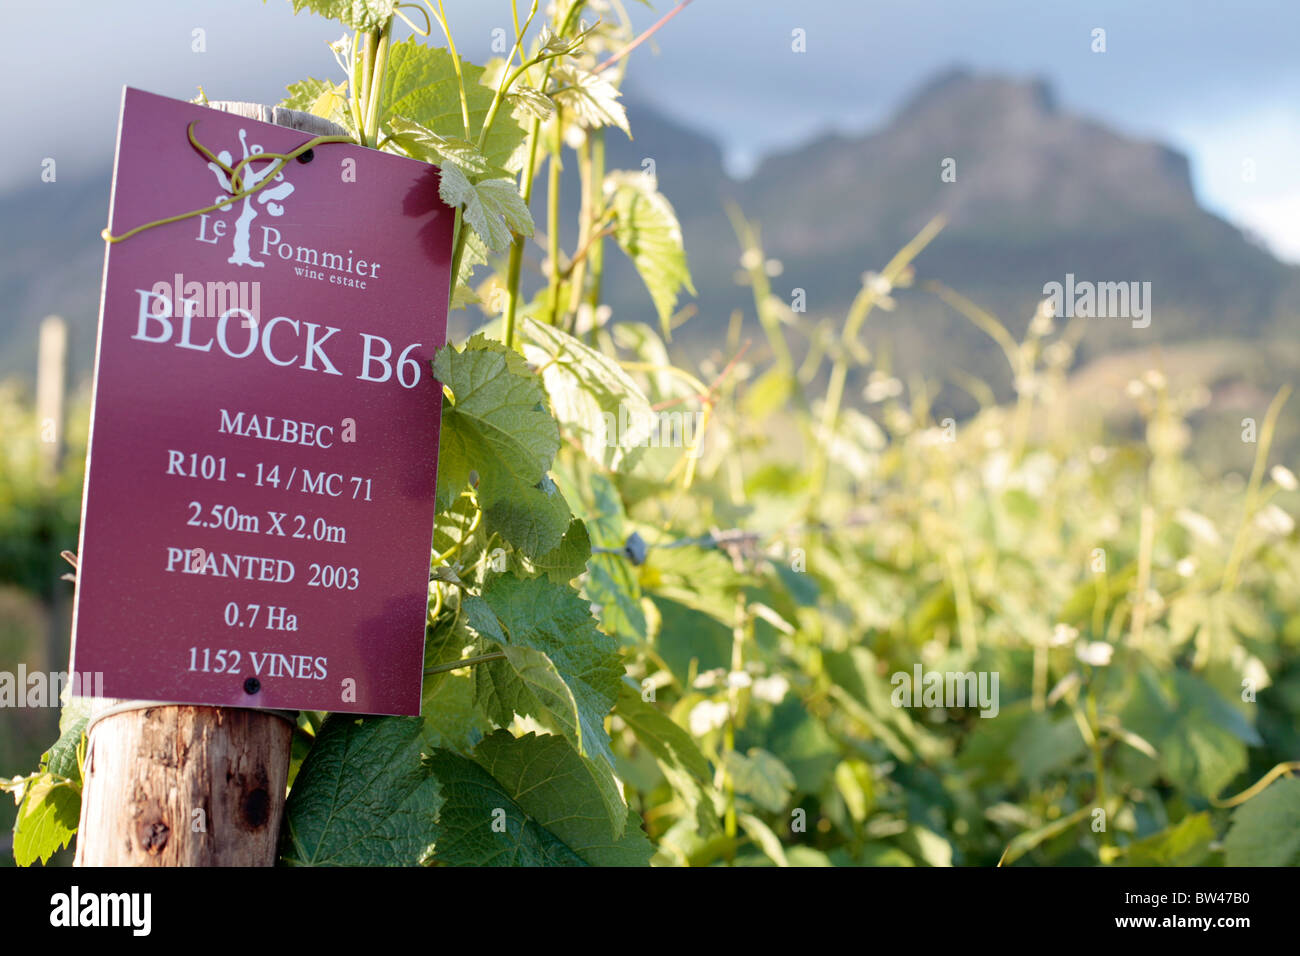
(261,486)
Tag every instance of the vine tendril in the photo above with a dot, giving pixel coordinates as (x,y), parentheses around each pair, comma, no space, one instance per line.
(238,191)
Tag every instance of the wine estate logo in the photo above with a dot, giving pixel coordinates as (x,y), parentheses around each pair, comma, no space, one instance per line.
(270,197)
(252,245)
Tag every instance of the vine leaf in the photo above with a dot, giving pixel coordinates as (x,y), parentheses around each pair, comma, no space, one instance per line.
(422,87)
(530,102)
(496,425)
(550,43)
(321,98)
(679,757)
(763,838)
(1265,830)
(559,668)
(565,561)
(1186,843)
(1200,737)
(475,254)
(492,207)
(61,758)
(424,144)
(761,777)
(670,743)
(646,229)
(49,801)
(592,397)
(527,802)
(589,98)
(47,818)
(363,797)
(452,718)
(611,581)
(358,14)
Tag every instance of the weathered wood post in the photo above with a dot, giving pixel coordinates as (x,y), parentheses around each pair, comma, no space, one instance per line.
(183,785)
(51,385)
(51,391)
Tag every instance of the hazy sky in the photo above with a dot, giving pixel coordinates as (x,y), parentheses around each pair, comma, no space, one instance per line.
(1219,79)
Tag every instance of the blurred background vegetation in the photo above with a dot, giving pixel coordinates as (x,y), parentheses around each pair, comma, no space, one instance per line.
(40,511)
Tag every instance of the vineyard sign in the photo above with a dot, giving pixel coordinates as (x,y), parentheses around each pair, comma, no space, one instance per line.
(259,499)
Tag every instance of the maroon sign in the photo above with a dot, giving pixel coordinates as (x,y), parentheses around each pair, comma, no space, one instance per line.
(259,497)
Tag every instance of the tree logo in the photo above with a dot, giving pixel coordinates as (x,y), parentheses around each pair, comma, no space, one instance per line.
(270,197)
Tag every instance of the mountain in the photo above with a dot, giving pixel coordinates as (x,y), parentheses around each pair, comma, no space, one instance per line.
(1038,193)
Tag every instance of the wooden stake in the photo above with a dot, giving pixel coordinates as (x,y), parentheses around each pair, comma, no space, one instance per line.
(184,786)
(51,375)
(181,785)
(51,393)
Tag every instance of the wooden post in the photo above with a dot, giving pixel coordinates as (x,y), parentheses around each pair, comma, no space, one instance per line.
(51,376)
(51,391)
(182,785)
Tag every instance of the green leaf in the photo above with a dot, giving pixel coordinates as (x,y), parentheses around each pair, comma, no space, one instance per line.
(530,102)
(646,229)
(927,846)
(678,756)
(454,528)
(761,777)
(61,758)
(592,397)
(856,787)
(492,207)
(1046,746)
(689,640)
(762,835)
(422,143)
(47,819)
(565,561)
(474,255)
(559,668)
(1186,843)
(876,854)
(321,98)
(611,586)
(866,696)
(362,15)
(50,809)
(703,578)
(550,43)
(528,801)
(800,740)
(1030,839)
(671,744)
(771,391)
(422,87)
(611,581)
(452,718)
(497,426)
(1265,830)
(1199,736)
(590,99)
(363,797)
